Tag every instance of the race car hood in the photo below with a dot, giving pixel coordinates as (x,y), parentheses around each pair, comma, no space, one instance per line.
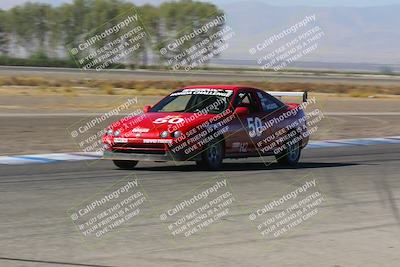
(150,125)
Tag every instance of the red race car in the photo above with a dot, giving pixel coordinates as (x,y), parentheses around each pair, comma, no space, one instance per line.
(208,123)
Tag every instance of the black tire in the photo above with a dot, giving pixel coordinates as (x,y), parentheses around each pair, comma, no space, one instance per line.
(290,156)
(212,156)
(125,164)
(200,164)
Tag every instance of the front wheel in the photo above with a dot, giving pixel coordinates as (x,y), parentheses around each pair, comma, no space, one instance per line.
(125,164)
(212,156)
(290,156)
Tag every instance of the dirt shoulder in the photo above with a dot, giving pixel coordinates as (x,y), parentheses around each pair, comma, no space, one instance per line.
(19,100)
(40,123)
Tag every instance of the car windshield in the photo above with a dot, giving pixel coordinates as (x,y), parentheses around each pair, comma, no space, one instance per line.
(207,101)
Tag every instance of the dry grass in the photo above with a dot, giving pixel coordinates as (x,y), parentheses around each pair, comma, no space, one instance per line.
(107,89)
(115,87)
(70,91)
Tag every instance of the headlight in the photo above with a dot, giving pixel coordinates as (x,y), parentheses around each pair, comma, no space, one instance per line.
(164,134)
(177,134)
(109,132)
(117,133)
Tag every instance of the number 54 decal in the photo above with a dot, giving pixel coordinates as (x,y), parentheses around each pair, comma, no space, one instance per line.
(255,126)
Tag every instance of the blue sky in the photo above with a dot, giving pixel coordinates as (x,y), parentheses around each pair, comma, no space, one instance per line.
(5,4)
(320,2)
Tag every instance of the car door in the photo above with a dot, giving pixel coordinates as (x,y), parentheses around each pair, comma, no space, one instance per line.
(243,129)
(272,128)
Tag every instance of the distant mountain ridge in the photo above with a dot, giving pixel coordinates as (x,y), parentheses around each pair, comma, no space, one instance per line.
(352,34)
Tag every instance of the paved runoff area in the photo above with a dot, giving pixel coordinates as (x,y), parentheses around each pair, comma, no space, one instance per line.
(340,207)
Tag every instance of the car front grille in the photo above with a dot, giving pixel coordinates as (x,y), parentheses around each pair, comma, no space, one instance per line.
(140,148)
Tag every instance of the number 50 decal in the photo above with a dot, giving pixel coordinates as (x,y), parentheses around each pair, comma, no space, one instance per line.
(168,119)
(255,126)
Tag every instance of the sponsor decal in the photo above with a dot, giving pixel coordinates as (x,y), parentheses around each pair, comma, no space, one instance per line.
(242,147)
(204,91)
(156,141)
(120,140)
(140,130)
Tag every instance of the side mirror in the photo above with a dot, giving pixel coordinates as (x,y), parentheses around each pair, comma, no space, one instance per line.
(146,109)
(240,111)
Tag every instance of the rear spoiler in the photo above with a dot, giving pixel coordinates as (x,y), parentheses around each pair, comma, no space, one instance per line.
(280,94)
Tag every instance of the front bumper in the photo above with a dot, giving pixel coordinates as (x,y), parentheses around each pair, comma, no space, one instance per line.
(168,156)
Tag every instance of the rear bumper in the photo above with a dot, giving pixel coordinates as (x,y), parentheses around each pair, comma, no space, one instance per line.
(112,155)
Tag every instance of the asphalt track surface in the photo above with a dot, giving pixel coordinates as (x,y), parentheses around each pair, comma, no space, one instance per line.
(68,73)
(31,133)
(357,225)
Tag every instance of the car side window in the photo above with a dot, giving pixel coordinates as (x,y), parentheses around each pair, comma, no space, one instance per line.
(267,103)
(246,99)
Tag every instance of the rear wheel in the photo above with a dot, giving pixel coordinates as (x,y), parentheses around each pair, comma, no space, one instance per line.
(212,156)
(125,164)
(290,156)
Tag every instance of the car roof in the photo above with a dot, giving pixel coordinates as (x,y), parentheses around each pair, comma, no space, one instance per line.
(217,86)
